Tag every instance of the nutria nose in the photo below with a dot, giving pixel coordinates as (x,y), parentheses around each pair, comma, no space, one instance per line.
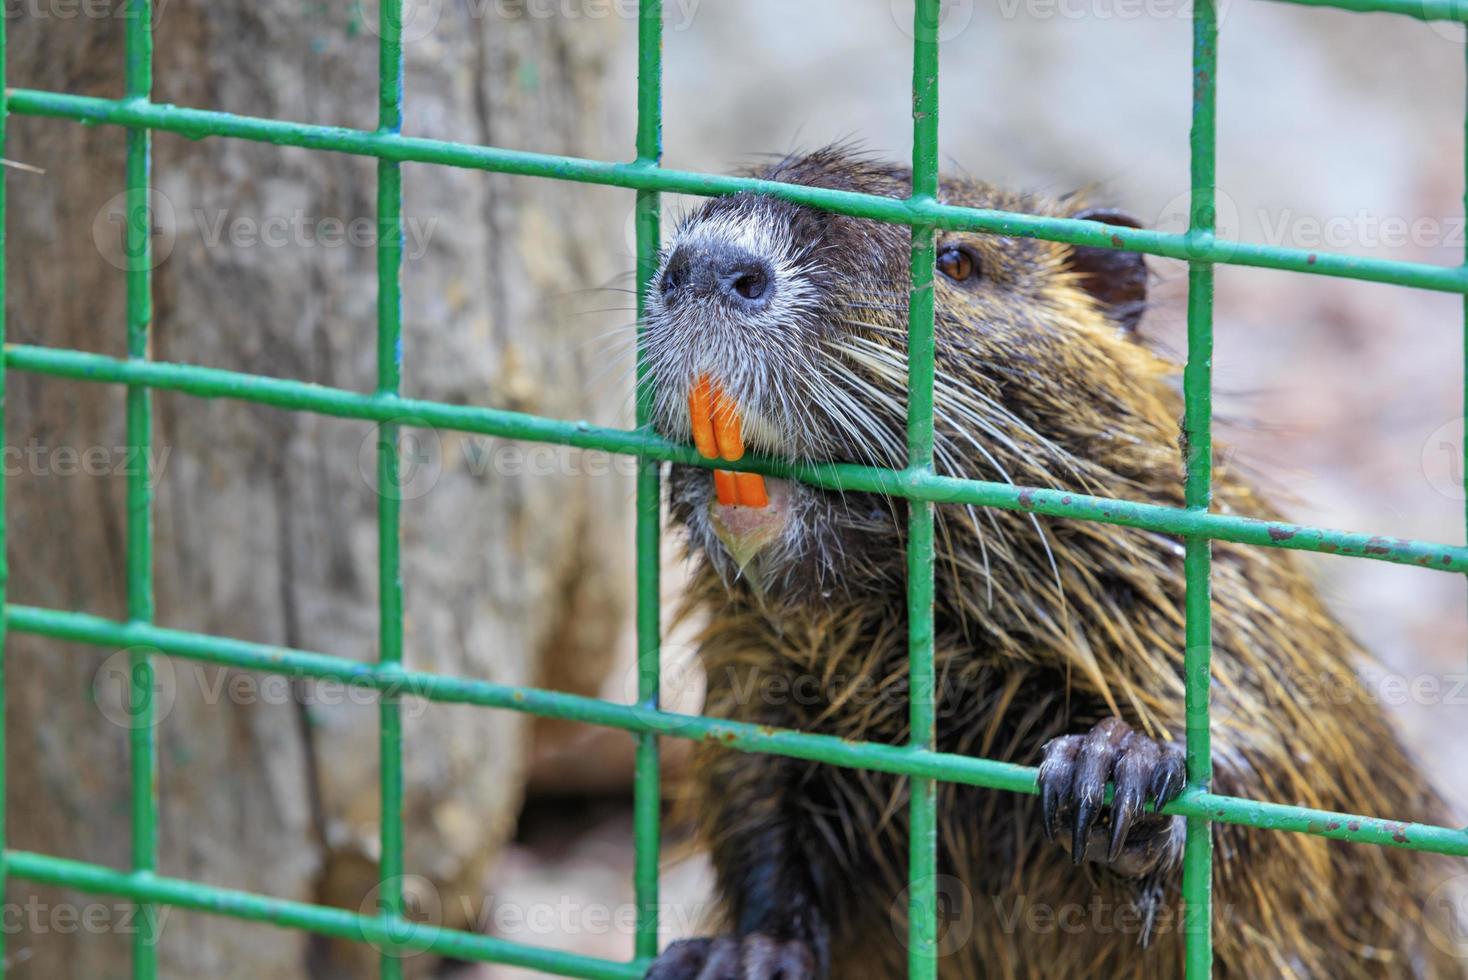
(737,275)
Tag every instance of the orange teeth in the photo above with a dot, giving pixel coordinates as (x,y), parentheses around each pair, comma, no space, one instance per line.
(701,414)
(726,487)
(728,431)
(751,490)
(718,434)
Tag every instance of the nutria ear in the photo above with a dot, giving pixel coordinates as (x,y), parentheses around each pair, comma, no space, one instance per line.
(1117,279)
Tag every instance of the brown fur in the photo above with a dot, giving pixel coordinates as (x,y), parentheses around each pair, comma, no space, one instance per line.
(1038,635)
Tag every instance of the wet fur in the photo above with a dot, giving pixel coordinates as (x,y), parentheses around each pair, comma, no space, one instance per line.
(1044,627)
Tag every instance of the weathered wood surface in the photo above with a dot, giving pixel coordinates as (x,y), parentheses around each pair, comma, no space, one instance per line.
(266,520)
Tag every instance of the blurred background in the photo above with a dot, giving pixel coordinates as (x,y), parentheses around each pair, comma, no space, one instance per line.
(1337,132)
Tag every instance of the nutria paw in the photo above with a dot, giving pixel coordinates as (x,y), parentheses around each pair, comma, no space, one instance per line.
(1073,778)
(755,956)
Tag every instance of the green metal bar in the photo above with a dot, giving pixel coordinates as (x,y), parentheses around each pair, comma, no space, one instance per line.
(4,535)
(919,761)
(903,760)
(389,495)
(384,931)
(198,124)
(1198,494)
(137,235)
(647,785)
(215,383)
(922,909)
(1424,10)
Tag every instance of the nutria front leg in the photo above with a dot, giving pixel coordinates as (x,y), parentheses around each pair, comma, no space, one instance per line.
(751,957)
(780,936)
(1134,841)
(766,880)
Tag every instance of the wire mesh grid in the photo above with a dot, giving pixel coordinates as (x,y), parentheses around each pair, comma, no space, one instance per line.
(390,928)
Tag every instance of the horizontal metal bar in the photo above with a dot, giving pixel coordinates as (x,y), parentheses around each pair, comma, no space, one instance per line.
(1426,10)
(386,932)
(913,484)
(81,628)
(201,123)
(646,717)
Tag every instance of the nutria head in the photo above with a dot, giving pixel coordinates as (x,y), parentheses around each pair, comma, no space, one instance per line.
(801,316)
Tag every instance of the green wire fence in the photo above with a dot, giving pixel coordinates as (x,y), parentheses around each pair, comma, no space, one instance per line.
(389,928)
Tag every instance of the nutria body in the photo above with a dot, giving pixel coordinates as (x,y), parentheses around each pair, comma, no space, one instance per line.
(1056,639)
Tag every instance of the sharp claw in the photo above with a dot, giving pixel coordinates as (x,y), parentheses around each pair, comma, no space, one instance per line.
(1162,789)
(1073,777)
(1124,809)
(1049,808)
(1057,772)
(1120,824)
(1085,817)
(1170,778)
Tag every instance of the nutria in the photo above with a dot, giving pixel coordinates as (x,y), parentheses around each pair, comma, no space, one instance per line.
(1058,641)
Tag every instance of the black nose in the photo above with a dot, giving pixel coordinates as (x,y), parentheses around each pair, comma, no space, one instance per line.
(738,276)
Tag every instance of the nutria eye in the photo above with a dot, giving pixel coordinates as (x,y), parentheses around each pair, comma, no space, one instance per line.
(957,263)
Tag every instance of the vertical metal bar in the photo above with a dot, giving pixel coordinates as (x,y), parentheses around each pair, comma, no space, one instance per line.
(137,240)
(4,567)
(389,497)
(647,790)
(1198,433)
(923,840)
